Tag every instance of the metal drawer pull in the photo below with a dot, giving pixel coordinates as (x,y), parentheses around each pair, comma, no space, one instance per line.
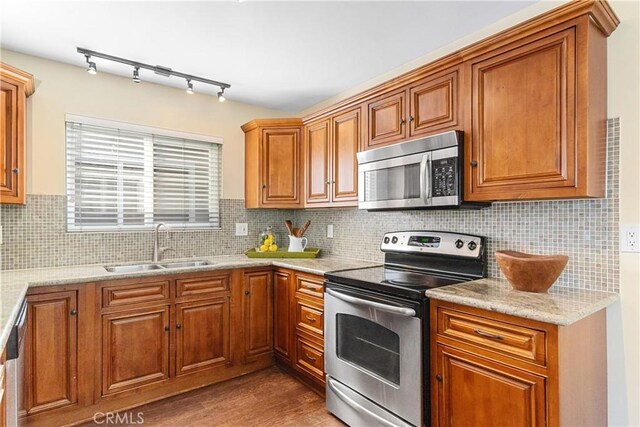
(486,335)
(313,359)
(403,311)
(355,405)
(310,319)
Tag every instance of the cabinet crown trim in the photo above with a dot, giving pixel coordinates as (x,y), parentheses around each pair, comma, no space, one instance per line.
(254,124)
(8,71)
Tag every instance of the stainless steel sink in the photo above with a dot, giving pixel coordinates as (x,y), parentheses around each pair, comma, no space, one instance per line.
(184,264)
(132,268)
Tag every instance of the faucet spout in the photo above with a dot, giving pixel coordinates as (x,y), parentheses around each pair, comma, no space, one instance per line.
(157,251)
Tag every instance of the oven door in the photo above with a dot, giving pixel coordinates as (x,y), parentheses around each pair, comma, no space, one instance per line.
(373,346)
(399,182)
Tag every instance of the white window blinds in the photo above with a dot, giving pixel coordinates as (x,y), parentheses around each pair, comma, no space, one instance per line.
(121,179)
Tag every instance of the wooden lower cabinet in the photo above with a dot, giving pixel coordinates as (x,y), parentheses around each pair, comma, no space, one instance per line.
(52,351)
(283,314)
(258,314)
(491,369)
(202,335)
(135,348)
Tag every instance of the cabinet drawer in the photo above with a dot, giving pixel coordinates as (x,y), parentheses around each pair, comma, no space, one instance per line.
(310,286)
(134,293)
(202,286)
(309,318)
(309,358)
(495,335)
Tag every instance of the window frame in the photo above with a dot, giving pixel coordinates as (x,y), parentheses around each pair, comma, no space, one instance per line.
(148,199)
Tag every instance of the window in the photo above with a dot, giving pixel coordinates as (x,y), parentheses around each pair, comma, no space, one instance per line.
(127,177)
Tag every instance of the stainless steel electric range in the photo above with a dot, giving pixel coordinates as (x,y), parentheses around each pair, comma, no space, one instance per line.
(377,326)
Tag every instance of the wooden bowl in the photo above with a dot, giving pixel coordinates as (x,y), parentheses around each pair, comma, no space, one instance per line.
(530,273)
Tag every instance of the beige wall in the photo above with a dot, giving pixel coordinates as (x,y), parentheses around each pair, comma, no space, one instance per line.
(63,88)
(623,327)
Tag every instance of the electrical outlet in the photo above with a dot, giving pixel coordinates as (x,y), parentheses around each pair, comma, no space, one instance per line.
(330,231)
(630,238)
(242,229)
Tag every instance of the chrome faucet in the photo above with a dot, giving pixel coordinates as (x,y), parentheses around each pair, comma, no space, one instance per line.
(157,250)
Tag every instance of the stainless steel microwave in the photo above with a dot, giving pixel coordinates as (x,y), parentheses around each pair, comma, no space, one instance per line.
(419,174)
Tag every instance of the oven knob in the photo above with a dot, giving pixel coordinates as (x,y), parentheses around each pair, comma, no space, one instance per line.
(386,240)
(394,240)
(459,244)
(472,246)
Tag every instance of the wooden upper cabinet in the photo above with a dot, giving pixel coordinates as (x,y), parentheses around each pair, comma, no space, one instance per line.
(317,162)
(386,119)
(135,348)
(258,315)
(273,158)
(15,87)
(474,391)
(52,351)
(345,145)
(433,103)
(538,120)
(202,335)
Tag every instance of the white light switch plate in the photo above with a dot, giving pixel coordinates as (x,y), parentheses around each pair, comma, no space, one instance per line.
(330,231)
(242,229)
(629,238)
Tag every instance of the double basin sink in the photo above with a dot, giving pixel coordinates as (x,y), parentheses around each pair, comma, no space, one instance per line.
(132,268)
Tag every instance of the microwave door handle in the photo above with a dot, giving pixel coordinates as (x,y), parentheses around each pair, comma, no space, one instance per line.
(355,405)
(425,177)
(403,311)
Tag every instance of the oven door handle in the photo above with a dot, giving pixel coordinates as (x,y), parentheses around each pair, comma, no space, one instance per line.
(355,405)
(403,311)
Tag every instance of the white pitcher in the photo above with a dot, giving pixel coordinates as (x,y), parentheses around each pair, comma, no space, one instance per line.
(297,244)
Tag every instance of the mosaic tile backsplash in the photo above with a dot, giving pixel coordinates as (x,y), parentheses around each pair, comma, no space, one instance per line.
(585,230)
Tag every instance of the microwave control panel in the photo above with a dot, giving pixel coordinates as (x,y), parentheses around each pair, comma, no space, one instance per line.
(444,175)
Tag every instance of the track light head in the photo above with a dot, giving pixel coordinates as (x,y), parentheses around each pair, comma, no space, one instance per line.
(189,87)
(136,75)
(221,97)
(92,65)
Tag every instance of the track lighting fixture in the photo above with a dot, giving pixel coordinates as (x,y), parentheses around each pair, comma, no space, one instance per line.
(92,65)
(136,75)
(158,69)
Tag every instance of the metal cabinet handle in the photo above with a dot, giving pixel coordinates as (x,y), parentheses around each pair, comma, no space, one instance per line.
(313,359)
(166,328)
(439,378)
(178,325)
(487,335)
(411,118)
(246,292)
(74,312)
(473,163)
(15,170)
(264,185)
(311,319)
(402,121)
(328,182)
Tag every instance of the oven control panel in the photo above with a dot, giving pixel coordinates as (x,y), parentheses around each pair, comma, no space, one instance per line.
(433,242)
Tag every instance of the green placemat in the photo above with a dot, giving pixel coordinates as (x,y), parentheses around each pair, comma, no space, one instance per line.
(283,253)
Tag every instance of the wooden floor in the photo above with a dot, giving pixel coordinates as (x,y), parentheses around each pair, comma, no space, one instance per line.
(266,398)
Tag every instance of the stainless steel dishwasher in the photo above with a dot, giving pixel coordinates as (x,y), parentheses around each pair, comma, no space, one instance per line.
(15,368)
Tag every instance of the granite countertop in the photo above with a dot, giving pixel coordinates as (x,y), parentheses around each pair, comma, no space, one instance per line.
(14,283)
(560,306)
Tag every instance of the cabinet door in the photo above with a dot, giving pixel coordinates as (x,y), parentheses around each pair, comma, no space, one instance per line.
(283,330)
(474,391)
(280,166)
(523,121)
(51,351)
(202,335)
(433,104)
(258,314)
(346,142)
(12,105)
(387,121)
(317,162)
(135,348)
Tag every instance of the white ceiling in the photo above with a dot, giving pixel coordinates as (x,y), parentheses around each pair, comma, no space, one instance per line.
(282,55)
